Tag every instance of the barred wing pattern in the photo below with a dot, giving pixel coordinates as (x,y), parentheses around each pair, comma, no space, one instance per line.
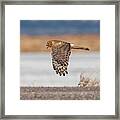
(60,58)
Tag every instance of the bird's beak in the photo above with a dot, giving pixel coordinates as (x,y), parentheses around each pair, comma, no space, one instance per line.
(47,46)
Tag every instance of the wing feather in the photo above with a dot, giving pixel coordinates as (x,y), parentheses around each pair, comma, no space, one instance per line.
(60,58)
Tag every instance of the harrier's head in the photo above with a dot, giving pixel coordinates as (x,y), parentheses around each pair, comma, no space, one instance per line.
(49,44)
(53,43)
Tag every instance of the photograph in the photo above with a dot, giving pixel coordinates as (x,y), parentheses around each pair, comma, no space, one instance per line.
(57,56)
(59,59)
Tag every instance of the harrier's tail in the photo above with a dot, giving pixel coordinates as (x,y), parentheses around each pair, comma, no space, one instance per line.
(77,47)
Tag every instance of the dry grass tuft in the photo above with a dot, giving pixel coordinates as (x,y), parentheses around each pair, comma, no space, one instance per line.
(88,82)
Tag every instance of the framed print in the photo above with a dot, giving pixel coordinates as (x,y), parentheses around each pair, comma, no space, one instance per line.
(60,59)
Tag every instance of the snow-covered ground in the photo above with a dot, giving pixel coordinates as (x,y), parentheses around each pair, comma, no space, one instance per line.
(36,69)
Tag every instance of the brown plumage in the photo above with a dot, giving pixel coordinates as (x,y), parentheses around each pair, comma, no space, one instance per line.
(60,55)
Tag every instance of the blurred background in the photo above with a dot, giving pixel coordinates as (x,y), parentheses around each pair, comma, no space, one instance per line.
(35,61)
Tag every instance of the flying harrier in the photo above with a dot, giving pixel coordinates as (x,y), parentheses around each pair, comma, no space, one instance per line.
(60,54)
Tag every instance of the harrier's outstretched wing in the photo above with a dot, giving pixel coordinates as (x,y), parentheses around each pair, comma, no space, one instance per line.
(60,58)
